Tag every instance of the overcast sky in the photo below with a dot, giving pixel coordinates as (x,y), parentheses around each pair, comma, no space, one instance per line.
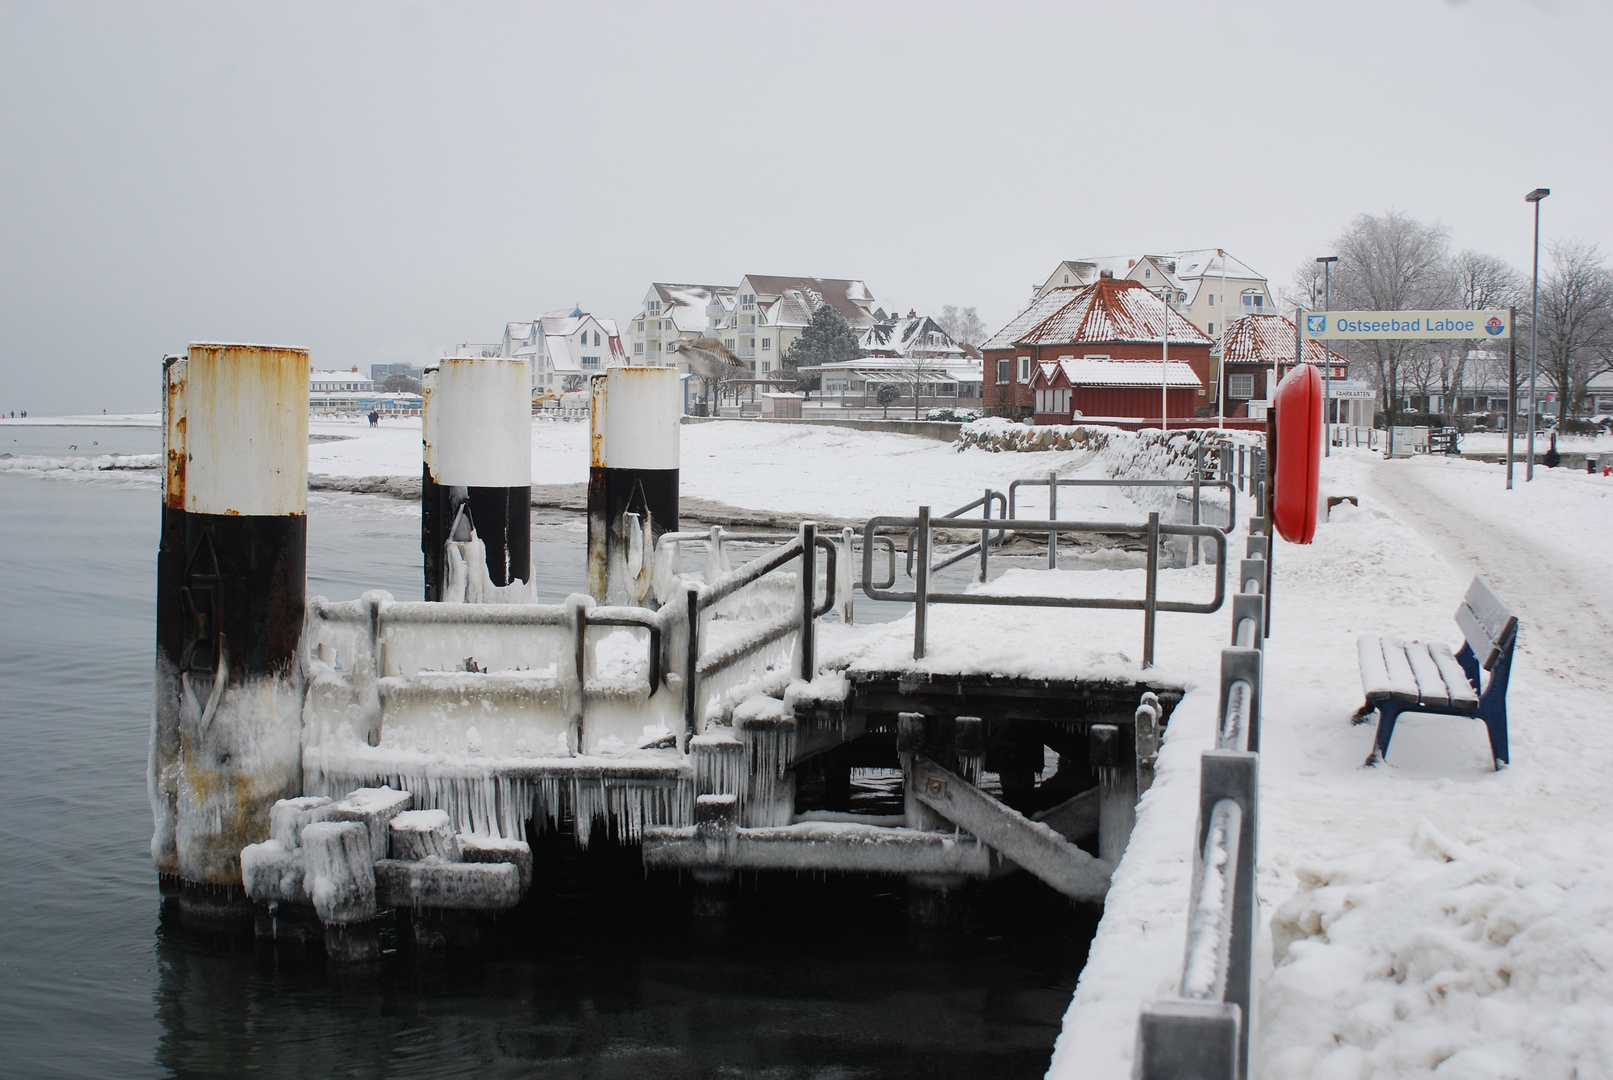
(379,181)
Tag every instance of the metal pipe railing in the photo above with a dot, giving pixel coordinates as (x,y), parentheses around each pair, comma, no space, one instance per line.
(922,596)
(1053,482)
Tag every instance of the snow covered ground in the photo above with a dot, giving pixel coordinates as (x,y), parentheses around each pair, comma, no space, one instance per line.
(1428,916)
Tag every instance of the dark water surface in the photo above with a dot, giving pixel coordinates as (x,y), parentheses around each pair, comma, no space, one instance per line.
(602,973)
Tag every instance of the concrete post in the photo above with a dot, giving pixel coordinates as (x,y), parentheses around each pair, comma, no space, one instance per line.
(477,431)
(633,469)
(242,479)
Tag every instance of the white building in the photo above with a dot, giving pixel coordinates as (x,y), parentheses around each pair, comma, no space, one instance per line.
(673,313)
(564,347)
(770,313)
(325,382)
(1211,287)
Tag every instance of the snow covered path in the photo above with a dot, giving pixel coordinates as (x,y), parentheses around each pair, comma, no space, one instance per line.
(1430,913)
(1444,916)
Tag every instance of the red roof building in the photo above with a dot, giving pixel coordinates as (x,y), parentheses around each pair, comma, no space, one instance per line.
(1254,345)
(1072,330)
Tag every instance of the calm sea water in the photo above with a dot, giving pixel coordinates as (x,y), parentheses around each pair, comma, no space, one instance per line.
(602,973)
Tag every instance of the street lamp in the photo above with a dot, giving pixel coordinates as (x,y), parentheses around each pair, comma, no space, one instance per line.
(1327,262)
(1534,317)
(1165,363)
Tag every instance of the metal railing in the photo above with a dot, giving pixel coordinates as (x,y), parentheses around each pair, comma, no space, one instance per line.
(697,666)
(1204,1032)
(982,547)
(1053,482)
(1149,604)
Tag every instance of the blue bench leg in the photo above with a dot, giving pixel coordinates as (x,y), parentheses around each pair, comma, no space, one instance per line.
(1388,713)
(1495,721)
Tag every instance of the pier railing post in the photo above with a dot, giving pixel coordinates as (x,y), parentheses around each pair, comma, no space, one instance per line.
(691,662)
(809,598)
(1235,775)
(921,582)
(1052,515)
(1151,590)
(847,595)
(985,539)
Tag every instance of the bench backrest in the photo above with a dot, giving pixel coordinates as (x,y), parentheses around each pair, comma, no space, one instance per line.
(1485,622)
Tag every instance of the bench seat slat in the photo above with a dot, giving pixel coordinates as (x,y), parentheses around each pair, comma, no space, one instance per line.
(1430,681)
(1462,694)
(1385,672)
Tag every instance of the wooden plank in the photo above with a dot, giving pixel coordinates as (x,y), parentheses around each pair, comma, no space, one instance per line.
(1486,622)
(1402,682)
(1075,818)
(1378,678)
(1430,681)
(1032,845)
(1462,692)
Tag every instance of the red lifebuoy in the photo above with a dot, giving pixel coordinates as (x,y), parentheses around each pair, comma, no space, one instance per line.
(1298,455)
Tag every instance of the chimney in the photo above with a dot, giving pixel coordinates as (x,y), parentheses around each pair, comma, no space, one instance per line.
(1108,273)
(911,314)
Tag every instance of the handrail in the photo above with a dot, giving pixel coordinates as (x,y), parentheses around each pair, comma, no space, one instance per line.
(982,547)
(1195,482)
(1205,1031)
(698,598)
(1215,889)
(1149,604)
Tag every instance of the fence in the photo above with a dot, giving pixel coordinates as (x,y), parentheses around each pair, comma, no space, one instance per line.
(1204,1032)
(1196,482)
(921,528)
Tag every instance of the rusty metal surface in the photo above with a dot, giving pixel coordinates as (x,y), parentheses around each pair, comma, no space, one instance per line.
(173,432)
(246,435)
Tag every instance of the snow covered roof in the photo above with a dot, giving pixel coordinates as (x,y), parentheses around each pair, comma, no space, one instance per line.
(1269,339)
(1108,310)
(902,337)
(1102,372)
(790,301)
(686,304)
(1186,270)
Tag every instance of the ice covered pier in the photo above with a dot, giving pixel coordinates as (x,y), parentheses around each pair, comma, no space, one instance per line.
(712,699)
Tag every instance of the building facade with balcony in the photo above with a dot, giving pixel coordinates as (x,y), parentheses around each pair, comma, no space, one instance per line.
(770,312)
(672,313)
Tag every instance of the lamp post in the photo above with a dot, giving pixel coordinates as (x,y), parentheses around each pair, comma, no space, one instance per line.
(1534,317)
(1165,363)
(1327,262)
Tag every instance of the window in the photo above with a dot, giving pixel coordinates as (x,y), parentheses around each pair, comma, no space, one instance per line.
(1253,299)
(1241,386)
(1005,370)
(1066,279)
(638,348)
(596,339)
(767,343)
(655,307)
(590,361)
(1148,273)
(767,365)
(1209,328)
(1024,369)
(728,343)
(1212,299)
(1041,401)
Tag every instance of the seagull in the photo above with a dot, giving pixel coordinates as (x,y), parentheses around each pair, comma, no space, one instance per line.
(710,358)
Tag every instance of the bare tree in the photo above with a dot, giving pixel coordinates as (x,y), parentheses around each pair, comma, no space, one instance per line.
(964,325)
(913,374)
(1390,262)
(1576,321)
(1482,282)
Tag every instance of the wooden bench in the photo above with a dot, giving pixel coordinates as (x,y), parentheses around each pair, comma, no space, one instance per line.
(1402,677)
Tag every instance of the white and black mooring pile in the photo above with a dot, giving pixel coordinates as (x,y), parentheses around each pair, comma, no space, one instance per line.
(476,495)
(231,577)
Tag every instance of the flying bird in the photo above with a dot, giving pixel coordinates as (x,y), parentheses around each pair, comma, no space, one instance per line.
(710,358)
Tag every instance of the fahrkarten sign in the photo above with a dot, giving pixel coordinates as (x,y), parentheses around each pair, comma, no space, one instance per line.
(1347,325)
